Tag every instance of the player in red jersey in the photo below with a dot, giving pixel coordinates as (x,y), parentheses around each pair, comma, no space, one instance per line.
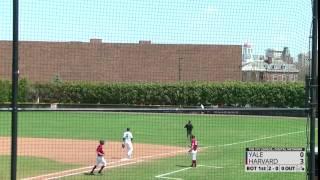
(100,158)
(193,150)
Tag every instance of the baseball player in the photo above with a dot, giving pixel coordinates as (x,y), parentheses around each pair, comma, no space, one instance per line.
(127,142)
(100,158)
(193,151)
(189,128)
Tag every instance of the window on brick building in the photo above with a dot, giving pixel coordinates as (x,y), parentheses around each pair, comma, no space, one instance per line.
(274,77)
(261,76)
(291,78)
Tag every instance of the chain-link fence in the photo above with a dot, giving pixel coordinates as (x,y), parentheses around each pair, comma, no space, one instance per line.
(134,73)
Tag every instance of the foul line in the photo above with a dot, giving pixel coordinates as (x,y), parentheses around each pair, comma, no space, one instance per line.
(215,167)
(157,155)
(66,171)
(56,173)
(252,140)
(108,167)
(162,176)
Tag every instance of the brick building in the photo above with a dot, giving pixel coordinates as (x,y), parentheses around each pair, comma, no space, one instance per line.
(303,65)
(277,67)
(260,71)
(118,62)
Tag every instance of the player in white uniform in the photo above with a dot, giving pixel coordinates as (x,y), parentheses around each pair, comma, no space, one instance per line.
(127,142)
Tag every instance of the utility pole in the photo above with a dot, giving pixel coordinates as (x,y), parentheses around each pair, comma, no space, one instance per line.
(313,89)
(14,98)
(179,68)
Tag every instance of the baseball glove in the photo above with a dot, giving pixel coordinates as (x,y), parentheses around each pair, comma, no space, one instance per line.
(123,146)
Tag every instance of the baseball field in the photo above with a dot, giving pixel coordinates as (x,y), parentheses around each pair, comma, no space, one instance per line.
(61,145)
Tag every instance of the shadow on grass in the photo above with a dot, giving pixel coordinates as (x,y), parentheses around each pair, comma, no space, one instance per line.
(183,165)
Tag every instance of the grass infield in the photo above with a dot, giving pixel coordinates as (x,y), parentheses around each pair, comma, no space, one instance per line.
(213,131)
(30,166)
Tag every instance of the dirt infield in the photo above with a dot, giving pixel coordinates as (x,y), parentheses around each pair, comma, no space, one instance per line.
(82,152)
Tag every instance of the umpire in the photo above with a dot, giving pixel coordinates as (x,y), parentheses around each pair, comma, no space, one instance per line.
(189,128)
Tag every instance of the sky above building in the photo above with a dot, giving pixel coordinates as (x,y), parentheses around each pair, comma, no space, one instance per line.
(263,23)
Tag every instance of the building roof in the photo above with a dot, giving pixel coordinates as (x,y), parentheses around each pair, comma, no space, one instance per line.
(262,66)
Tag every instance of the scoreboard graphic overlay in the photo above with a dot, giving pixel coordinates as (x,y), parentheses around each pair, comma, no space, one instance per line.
(275,160)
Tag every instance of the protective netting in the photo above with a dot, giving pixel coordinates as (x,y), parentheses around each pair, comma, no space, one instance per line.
(91,69)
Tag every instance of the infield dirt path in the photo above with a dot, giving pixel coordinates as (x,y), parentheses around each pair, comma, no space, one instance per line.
(82,152)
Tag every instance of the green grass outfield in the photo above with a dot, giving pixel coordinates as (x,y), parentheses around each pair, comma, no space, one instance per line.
(213,131)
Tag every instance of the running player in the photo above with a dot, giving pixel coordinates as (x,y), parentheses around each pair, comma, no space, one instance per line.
(100,158)
(127,142)
(193,151)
